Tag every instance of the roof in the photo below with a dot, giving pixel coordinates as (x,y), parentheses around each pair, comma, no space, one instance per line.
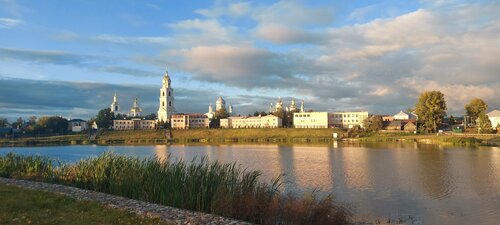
(494,113)
(394,123)
(77,120)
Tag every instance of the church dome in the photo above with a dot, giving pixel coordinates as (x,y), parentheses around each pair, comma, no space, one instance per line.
(220,100)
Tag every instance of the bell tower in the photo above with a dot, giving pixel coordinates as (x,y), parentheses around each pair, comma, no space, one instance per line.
(166,108)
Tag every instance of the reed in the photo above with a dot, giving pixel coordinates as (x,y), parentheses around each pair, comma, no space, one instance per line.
(201,185)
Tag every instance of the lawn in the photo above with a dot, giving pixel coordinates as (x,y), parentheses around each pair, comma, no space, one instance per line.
(24,206)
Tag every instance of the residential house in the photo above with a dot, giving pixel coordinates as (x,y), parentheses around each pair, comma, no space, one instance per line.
(187,121)
(134,124)
(77,125)
(269,121)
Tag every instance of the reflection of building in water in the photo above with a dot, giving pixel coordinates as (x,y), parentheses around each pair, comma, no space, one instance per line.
(356,168)
(286,158)
(312,160)
(161,152)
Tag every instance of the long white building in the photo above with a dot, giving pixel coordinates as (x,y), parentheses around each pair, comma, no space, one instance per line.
(269,121)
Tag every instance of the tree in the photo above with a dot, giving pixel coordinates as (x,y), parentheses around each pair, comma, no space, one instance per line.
(221,114)
(151,116)
(51,125)
(19,122)
(484,124)
(4,122)
(373,123)
(431,109)
(120,116)
(104,118)
(475,108)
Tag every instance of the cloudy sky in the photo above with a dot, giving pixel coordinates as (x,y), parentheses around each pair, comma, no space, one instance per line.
(69,57)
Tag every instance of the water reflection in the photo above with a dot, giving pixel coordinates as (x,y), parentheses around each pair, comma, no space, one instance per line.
(439,185)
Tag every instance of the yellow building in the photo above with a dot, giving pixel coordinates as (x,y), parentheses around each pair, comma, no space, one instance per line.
(269,121)
(310,120)
(187,121)
(347,119)
(134,124)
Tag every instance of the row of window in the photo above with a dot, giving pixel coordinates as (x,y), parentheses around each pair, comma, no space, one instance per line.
(345,115)
(302,115)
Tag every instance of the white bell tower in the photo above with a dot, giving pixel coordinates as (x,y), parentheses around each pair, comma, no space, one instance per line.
(166,109)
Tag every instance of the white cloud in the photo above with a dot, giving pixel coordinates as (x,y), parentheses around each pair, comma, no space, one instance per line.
(7,23)
(292,13)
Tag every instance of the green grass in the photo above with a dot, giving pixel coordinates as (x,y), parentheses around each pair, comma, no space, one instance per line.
(212,187)
(23,206)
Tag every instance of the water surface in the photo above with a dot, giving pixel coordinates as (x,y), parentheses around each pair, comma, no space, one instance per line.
(433,184)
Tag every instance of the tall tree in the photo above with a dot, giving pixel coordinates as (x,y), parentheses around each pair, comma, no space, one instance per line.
(221,114)
(104,118)
(373,123)
(475,108)
(484,124)
(4,122)
(431,109)
(51,125)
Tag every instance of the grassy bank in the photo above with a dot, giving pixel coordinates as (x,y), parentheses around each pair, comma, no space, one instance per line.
(223,189)
(23,206)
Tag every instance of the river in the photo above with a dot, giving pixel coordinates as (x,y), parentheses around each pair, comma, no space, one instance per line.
(429,183)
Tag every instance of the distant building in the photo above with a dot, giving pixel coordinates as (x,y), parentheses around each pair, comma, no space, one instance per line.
(135,111)
(404,116)
(115,107)
(387,118)
(77,125)
(494,117)
(220,104)
(410,127)
(269,121)
(347,119)
(395,125)
(134,124)
(166,108)
(310,120)
(187,121)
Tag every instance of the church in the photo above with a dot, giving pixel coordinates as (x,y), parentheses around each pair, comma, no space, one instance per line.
(166,108)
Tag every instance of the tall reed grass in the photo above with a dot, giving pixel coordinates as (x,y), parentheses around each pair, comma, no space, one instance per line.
(202,185)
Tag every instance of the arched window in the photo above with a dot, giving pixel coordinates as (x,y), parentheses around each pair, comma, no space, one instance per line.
(169,103)
(163,104)
(163,93)
(169,93)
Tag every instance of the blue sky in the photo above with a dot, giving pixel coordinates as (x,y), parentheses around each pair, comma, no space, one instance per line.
(69,57)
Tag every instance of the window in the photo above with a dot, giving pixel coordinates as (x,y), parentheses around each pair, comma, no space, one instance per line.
(163,93)
(169,93)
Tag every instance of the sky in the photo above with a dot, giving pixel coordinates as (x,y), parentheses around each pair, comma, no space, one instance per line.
(68,57)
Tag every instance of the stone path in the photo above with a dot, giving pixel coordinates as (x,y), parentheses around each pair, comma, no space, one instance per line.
(166,213)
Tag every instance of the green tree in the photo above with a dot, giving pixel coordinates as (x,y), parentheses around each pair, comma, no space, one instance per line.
(51,125)
(151,116)
(120,116)
(19,122)
(104,118)
(484,124)
(4,122)
(373,123)
(475,108)
(221,114)
(431,109)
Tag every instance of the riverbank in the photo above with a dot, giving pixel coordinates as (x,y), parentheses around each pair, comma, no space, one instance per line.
(25,202)
(247,136)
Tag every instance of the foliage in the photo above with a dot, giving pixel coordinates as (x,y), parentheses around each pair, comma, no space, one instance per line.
(50,125)
(431,109)
(213,187)
(475,108)
(104,118)
(221,114)
(19,122)
(484,124)
(4,122)
(373,123)
(257,113)
(151,116)
(23,206)
(120,116)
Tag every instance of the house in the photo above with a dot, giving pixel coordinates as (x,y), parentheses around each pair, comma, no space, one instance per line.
(186,121)
(410,127)
(347,119)
(404,116)
(393,125)
(6,132)
(77,125)
(494,117)
(134,124)
(269,121)
(310,120)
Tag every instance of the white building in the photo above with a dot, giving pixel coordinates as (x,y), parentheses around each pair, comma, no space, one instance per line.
(187,121)
(134,124)
(269,121)
(135,111)
(347,119)
(115,107)
(404,116)
(494,117)
(166,108)
(310,119)
(77,125)
(220,104)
